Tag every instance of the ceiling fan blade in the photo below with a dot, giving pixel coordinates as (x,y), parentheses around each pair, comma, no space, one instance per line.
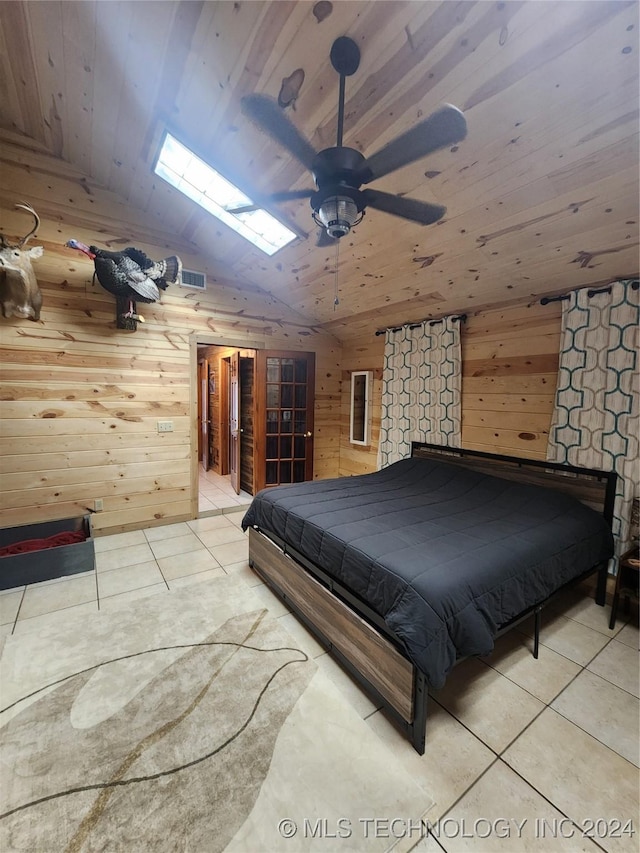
(444,127)
(266,113)
(407,208)
(285,195)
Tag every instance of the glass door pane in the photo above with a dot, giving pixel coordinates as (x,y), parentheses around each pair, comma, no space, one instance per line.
(285,384)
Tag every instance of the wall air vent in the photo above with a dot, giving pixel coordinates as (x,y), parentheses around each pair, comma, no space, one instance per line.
(190,278)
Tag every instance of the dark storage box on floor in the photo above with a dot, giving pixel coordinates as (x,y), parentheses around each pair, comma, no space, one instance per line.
(48,563)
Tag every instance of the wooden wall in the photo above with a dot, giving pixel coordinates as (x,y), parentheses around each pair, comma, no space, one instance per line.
(510,367)
(81,400)
(509,370)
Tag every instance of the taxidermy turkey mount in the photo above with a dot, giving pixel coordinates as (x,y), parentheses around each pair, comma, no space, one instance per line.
(337,201)
(130,276)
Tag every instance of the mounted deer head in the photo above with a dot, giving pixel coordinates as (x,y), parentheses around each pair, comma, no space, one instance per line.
(19,292)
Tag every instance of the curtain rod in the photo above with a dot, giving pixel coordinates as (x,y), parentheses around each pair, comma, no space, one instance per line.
(593,292)
(461,317)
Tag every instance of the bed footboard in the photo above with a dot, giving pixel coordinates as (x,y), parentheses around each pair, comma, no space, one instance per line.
(368,656)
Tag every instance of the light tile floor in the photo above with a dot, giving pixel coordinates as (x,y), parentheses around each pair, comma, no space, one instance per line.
(522,755)
(215,494)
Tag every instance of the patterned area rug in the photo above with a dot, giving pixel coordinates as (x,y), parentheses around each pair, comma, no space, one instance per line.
(188,722)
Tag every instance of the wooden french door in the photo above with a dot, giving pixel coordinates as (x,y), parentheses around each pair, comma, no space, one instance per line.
(283,429)
(203,414)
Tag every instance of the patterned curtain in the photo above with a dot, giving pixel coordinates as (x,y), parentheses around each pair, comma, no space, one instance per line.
(421,383)
(595,422)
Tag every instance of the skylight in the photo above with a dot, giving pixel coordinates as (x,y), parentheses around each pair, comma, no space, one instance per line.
(181,168)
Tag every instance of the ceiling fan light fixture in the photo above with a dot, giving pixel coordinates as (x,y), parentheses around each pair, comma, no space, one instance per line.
(338,214)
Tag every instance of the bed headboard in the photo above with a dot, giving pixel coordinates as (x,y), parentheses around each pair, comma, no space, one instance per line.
(595,488)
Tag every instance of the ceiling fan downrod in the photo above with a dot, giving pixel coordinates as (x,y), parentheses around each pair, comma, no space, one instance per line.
(338,213)
(345,58)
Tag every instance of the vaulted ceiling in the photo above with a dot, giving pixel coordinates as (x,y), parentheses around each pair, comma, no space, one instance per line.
(541,197)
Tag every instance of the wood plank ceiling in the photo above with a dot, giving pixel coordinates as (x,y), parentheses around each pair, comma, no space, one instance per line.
(541,197)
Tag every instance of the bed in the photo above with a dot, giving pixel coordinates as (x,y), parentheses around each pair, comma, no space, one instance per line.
(406,571)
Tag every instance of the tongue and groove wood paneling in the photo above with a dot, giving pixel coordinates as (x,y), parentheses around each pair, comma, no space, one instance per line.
(80,400)
(509,373)
(541,197)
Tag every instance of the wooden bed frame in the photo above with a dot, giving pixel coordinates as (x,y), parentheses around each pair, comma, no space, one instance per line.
(358,637)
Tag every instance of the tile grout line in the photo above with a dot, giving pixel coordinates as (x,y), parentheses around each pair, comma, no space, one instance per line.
(588,627)
(592,736)
(15,621)
(499,759)
(526,690)
(608,634)
(422,838)
(162,575)
(499,755)
(604,677)
(95,569)
(546,799)
(577,725)
(583,668)
(471,785)
(177,534)
(464,725)
(530,723)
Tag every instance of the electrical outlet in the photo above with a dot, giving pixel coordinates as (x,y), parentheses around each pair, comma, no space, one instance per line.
(165,426)
(98,506)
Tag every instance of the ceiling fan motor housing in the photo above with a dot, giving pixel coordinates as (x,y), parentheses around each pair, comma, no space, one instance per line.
(338,166)
(337,205)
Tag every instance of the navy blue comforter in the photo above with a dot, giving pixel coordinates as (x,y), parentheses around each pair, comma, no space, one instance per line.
(443,554)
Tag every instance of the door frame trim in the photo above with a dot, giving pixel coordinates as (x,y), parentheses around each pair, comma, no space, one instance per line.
(196,338)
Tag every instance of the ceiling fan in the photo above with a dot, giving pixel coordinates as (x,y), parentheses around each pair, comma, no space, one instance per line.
(337,201)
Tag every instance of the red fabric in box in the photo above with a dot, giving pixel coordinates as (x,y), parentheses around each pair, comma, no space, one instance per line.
(67,537)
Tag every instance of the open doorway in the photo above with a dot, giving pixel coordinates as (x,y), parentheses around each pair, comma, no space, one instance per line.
(225,427)
(266,440)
